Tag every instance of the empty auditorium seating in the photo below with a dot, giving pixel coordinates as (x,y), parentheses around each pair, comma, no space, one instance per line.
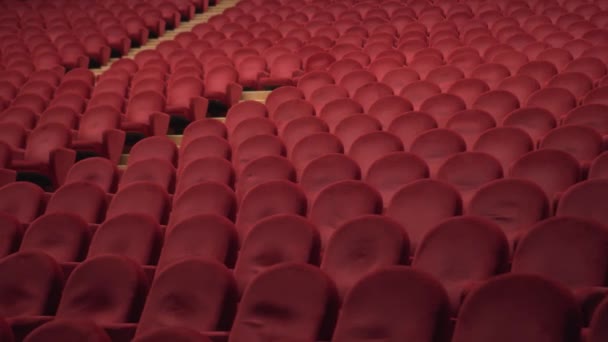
(464,138)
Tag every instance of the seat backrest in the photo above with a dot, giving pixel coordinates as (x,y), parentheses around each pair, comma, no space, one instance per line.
(569,250)
(142,198)
(242,111)
(599,167)
(204,198)
(533,120)
(10,234)
(514,204)
(422,204)
(350,128)
(312,80)
(142,105)
(436,145)
(442,106)
(30,284)
(205,291)
(470,124)
(376,240)
(513,307)
(336,110)
(157,171)
(325,170)
(327,94)
(275,240)
(369,93)
(445,251)
(467,171)
(84,199)
(43,140)
(297,129)
(553,170)
(203,147)
(255,147)
(468,89)
(281,95)
(269,198)
(387,108)
(584,200)
(506,144)
(201,170)
(131,235)
(302,313)
(64,236)
(370,147)
(202,128)
(96,121)
(314,146)
(291,110)
(582,142)
(592,115)
(218,78)
(390,172)
(157,147)
(340,202)
(96,170)
(264,169)
(251,127)
(497,103)
(21,200)
(206,236)
(105,289)
(394,303)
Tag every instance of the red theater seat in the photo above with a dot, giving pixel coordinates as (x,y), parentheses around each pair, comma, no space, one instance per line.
(303,312)
(383,300)
(511,307)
